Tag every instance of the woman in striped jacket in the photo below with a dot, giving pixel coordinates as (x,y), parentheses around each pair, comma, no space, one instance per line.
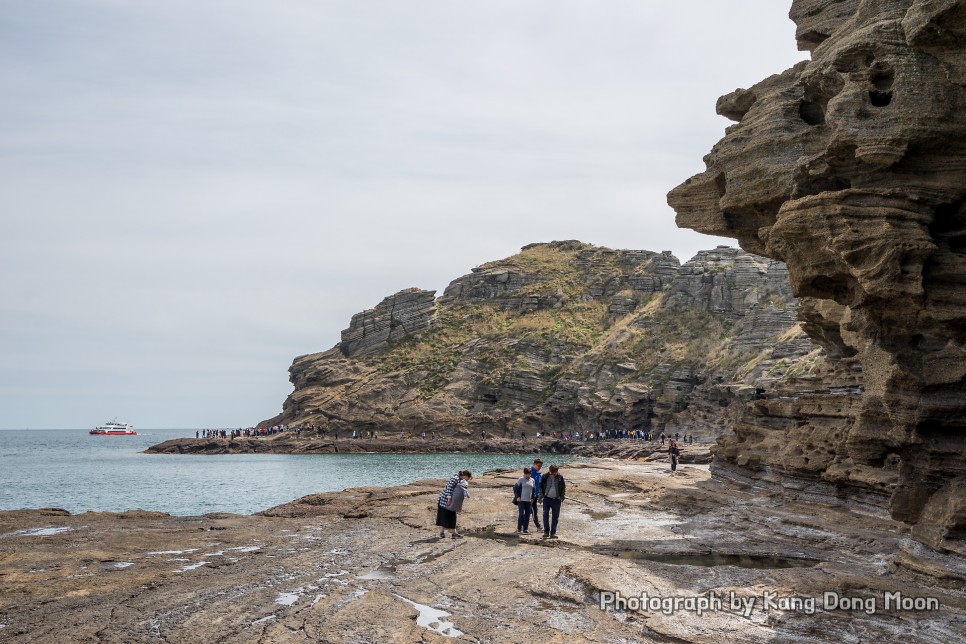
(445,516)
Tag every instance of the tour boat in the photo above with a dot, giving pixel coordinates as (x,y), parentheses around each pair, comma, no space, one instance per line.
(114,428)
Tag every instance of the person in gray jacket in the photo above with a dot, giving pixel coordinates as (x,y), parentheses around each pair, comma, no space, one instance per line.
(553,490)
(524,492)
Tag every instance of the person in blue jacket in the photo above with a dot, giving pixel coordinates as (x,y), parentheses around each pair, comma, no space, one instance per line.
(536,475)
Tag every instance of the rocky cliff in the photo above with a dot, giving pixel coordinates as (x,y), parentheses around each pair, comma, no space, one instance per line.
(851,167)
(564,336)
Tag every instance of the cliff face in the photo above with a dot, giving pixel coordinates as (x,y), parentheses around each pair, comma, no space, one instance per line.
(851,168)
(564,337)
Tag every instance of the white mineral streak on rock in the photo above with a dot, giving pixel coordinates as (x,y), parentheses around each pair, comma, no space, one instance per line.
(193,566)
(39,532)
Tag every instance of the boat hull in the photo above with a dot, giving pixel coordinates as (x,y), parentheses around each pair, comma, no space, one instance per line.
(95,432)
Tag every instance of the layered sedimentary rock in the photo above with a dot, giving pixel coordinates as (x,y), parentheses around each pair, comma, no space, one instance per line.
(851,168)
(398,316)
(563,337)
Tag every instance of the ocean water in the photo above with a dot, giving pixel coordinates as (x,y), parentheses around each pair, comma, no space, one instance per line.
(72,470)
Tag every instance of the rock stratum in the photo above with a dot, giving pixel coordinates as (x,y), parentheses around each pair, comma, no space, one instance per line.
(563,336)
(851,168)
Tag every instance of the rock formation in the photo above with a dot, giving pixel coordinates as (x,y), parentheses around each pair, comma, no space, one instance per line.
(851,168)
(564,336)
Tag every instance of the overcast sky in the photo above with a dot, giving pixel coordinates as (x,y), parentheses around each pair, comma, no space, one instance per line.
(194,192)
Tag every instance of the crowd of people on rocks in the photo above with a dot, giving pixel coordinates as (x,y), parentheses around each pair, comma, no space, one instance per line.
(248,432)
(298,430)
(613,434)
(256,432)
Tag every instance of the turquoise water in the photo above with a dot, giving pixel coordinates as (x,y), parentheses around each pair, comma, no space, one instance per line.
(70,469)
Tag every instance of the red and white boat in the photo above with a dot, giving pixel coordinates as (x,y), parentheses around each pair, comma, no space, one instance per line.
(114,428)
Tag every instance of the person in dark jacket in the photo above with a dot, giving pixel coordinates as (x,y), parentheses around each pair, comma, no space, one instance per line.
(553,490)
(674,453)
(524,492)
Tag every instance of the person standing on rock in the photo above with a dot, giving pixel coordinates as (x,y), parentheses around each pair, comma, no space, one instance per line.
(673,452)
(524,493)
(536,476)
(445,514)
(553,489)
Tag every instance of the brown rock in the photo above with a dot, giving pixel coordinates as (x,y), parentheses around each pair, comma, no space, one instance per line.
(851,168)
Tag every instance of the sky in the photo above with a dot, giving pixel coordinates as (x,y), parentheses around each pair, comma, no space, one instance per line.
(194,192)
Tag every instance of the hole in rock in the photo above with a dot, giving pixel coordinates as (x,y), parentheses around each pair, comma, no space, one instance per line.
(811,112)
(879,98)
(883,78)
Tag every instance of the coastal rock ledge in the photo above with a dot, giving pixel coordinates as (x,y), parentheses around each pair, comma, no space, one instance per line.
(366,565)
(851,168)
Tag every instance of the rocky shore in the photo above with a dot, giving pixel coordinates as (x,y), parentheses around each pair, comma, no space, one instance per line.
(289,443)
(365,565)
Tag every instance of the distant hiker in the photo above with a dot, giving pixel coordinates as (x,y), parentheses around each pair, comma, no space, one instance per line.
(553,489)
(673,452)
(450,502)
(483,436)
(536,476)
(662,439)
(524,495)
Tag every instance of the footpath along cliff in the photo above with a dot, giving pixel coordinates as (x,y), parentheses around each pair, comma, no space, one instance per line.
(851,167)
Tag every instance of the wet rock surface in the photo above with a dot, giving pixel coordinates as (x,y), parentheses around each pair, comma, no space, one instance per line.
(366,565)
(849,168)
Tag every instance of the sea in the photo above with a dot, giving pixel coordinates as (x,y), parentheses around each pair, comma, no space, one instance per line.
(70,469)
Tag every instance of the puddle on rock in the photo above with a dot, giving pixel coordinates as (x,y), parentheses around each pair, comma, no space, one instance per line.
(382,572)
(514,539)
(708,559)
